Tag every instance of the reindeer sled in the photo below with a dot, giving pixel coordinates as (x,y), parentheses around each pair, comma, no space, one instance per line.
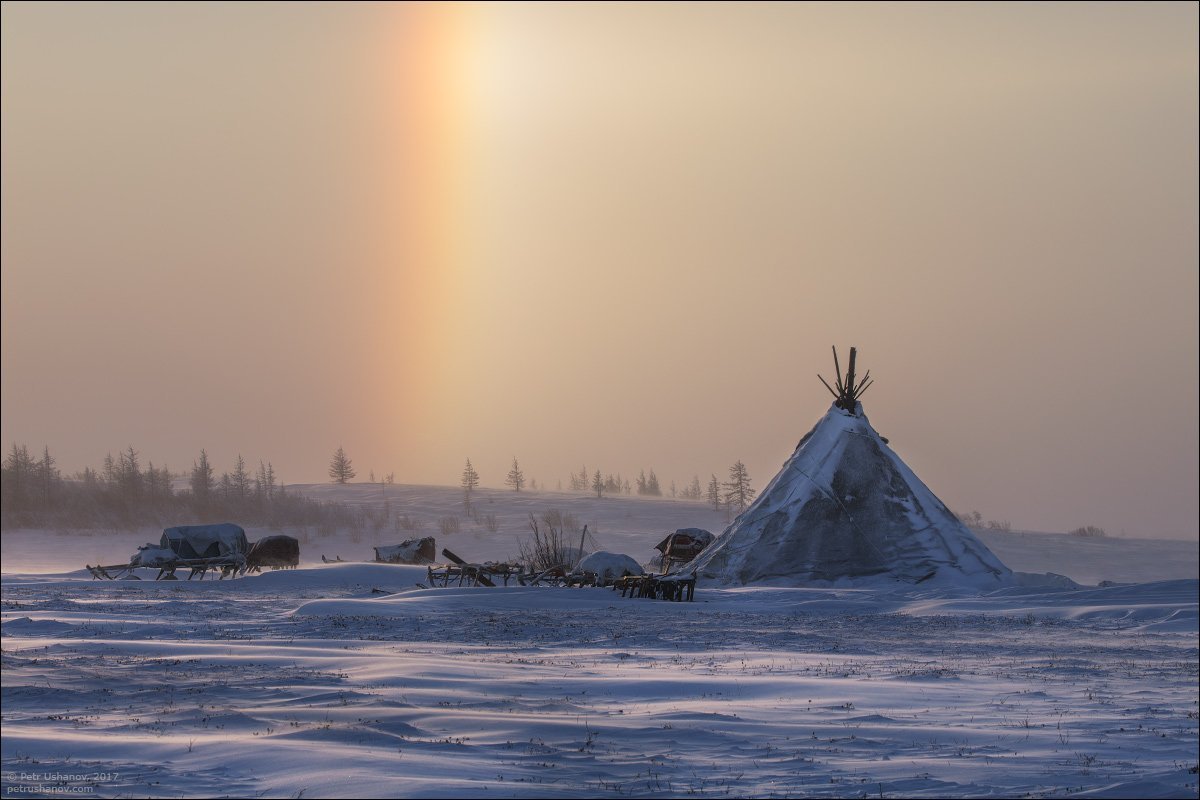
(222,549)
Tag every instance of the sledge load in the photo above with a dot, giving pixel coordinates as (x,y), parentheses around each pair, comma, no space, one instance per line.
(221,548)
(410,551)
(682,546)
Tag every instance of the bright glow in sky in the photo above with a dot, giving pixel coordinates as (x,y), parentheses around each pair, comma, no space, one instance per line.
(619,235)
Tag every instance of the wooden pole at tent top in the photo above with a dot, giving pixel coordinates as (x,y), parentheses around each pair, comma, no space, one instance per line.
(848,391)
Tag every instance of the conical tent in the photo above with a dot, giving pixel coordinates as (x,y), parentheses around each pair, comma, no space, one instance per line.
(845,506)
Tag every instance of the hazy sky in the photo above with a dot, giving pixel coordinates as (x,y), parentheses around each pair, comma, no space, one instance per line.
(619,235)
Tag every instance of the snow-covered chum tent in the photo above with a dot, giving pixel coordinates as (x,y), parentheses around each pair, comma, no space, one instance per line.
(845,506)
(206,541)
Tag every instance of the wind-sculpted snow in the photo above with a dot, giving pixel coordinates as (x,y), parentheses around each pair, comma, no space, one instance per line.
(349,681)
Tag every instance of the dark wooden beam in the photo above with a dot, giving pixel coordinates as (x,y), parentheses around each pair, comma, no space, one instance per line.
(850,376)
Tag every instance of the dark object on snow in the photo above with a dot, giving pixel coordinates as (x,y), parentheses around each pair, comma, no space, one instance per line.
(677,587)
(554,576)
(221,548)
(206,541)
(471,574)
(199,548)
(682,546)
(276,552)
(410,551)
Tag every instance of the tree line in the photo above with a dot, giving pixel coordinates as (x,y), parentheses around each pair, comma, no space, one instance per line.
(124,493)
(734,494)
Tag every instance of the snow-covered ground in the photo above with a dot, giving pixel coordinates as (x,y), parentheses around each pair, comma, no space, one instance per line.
(348,680)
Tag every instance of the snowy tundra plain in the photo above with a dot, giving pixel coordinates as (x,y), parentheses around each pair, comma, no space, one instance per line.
(348,680)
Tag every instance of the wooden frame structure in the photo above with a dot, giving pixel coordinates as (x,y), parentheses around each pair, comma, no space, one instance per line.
(677,587)
(470,574)
(848,391)
(229,566)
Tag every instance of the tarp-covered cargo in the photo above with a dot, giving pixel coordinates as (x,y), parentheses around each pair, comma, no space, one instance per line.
(150,555)
(412,551)
(276,552)
(684,538)
(206,541)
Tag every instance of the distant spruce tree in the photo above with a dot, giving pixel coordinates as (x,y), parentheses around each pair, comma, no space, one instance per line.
(109,470)
(157,484)
(19,478)
(470,482)
(264,481)
(341,470)
(201,482)
(48,477)
(516,478)
(580,482)
(598,484)
(738,493)
(240,480)
(129,476)
(714,493)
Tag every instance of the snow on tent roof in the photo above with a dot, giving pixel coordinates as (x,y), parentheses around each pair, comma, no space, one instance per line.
(846,506)
(206,541)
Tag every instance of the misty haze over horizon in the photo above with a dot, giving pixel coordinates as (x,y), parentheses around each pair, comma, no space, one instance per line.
(621,238)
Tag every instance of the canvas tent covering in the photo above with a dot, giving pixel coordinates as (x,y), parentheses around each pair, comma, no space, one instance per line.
(206,541)
(845,506)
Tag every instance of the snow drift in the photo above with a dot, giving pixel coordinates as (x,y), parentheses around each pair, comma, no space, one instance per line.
(609,566)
